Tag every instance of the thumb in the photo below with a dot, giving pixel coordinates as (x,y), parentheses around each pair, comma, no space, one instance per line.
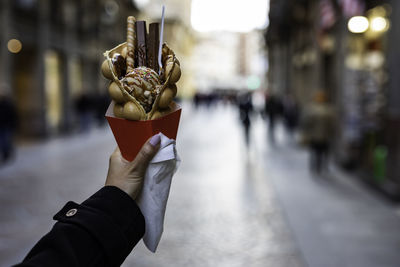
(146,153)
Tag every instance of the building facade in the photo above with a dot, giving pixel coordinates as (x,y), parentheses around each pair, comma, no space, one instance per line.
(312,46)
(62,46)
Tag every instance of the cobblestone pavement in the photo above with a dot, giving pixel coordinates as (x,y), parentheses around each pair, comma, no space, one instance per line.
(221,212)
(228,206)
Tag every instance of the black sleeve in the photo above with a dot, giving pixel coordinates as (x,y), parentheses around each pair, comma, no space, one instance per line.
(101,231)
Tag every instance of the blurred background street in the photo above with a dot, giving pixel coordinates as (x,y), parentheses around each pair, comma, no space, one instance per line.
(231,207)
(289,135)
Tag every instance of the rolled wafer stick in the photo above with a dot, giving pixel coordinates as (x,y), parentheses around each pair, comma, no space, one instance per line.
(130,42)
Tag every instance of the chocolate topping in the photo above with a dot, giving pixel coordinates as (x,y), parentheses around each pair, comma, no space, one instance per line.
(119,65)
(141,34)
(142,83)
(152,46)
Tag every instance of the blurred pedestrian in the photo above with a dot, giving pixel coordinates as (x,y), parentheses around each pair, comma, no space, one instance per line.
(197,100)
(8,125)
(83,107)
(291,113)
(273,109)
(318,129)
(104,229)
(245,105)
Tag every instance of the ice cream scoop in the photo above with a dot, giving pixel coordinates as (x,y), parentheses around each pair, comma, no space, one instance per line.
(142,83)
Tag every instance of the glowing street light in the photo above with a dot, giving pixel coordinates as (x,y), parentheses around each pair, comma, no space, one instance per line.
(14,46)
(379,24)
(358,24)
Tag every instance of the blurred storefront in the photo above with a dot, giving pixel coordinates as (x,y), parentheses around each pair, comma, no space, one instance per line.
(348,49)
(292,49)
(51,52)
(392,120)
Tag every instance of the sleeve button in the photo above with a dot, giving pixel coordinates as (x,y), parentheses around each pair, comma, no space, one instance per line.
(71,212)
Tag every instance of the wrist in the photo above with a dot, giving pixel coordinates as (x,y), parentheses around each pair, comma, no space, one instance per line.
(129,189)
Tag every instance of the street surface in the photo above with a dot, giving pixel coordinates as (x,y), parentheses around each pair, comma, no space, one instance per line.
(228,205)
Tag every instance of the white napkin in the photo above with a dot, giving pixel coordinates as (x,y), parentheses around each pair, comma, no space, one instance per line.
(153,198)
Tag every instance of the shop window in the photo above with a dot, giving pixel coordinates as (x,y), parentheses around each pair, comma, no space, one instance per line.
(25,9)
(70,13)
(76,78)
(55,13)
(53,90)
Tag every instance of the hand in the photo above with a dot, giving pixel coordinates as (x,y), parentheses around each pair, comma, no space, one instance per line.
(128,176)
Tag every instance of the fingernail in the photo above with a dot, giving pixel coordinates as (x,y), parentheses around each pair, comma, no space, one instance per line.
(155,139)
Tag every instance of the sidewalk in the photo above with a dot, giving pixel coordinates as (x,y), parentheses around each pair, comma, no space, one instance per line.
(336,219)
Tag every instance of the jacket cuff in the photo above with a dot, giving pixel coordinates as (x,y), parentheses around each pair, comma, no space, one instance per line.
(112,217)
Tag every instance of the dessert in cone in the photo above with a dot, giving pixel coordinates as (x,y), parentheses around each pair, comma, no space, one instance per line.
(142,88)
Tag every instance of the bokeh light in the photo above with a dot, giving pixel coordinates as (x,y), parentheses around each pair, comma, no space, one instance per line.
(253,82)
(14,46)
(379,24)
(358,24)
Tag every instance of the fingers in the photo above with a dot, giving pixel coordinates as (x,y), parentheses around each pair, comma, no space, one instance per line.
(149,149)
(128,176)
